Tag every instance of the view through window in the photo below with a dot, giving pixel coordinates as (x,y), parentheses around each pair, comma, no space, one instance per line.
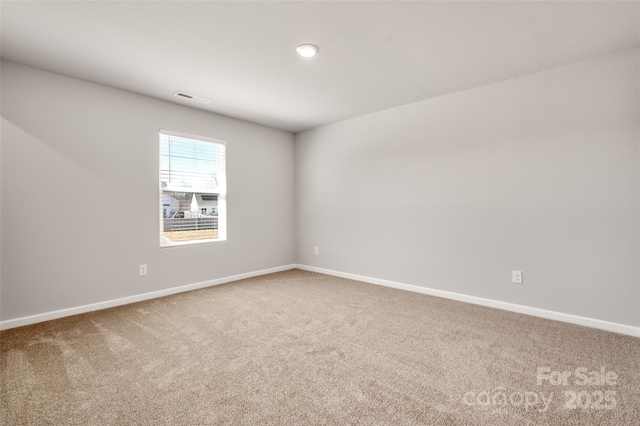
(192,189)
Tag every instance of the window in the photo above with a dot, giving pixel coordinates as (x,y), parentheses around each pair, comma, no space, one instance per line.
(192,183)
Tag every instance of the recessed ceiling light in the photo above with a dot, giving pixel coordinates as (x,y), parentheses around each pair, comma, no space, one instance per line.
(307,50)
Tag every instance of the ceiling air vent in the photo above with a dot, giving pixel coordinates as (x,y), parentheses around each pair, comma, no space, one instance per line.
(192,98)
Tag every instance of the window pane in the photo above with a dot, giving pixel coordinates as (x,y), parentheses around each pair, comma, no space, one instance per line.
(193,190)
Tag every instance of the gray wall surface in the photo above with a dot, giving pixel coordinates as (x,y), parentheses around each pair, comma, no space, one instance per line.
(539,173)
(80,202)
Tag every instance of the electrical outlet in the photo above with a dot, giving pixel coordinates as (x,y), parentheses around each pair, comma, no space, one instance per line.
(516,277)
(142,269)
(317,250)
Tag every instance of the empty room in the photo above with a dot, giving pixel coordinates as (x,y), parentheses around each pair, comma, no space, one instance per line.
(320,213)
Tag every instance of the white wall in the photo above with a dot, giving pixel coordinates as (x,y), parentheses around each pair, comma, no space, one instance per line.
(72,150)
(539,174)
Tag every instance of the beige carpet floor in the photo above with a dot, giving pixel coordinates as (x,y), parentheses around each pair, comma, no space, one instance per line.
(300,348)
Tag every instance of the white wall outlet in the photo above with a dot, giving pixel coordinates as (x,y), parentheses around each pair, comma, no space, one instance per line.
(516,277)
(317,250)
(142,269)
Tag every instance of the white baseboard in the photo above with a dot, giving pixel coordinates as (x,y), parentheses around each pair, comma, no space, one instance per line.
(522,309)
(527,310)
(32,319)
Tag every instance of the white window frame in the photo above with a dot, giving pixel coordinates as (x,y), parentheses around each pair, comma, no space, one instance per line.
(221,191)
